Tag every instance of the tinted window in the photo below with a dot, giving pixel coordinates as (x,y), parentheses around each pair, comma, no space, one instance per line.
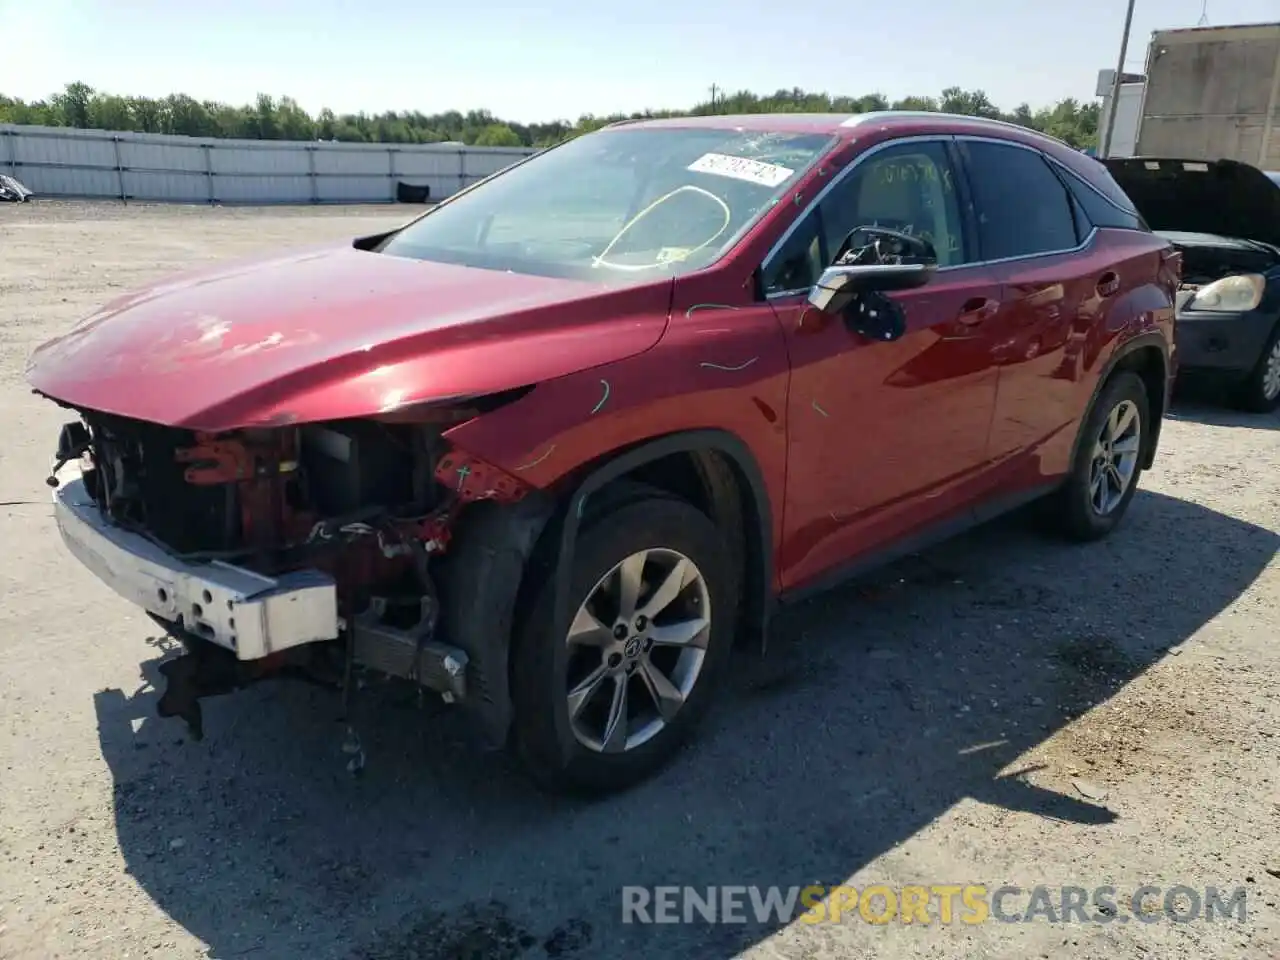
(910,188)
(617,206)
(1022,207)
(1100,211)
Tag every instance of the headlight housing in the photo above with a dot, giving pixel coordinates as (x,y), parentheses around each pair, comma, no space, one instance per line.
(1230,294)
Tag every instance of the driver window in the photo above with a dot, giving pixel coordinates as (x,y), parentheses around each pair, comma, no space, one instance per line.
(909,188)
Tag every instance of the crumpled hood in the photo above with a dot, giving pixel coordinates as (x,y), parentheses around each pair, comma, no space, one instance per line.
(335,332)
(1222,197)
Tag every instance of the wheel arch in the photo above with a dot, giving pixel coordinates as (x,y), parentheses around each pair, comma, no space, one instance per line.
(730,488)
(708,452)
(1147,355)
(484,576)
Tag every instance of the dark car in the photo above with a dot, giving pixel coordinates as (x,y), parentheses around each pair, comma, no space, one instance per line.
(1224,216)
(553,446)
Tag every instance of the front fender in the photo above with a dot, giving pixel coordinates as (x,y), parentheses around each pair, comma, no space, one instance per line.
(716,368)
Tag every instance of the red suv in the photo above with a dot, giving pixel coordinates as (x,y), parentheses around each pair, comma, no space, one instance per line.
(551,447)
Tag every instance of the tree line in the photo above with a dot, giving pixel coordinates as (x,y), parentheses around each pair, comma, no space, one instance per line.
(280,118)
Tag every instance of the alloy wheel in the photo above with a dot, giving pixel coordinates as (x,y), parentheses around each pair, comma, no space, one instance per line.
(1115,457)
(1271,372)
(636,650)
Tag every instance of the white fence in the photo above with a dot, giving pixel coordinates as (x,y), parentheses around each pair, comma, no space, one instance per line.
(99,164)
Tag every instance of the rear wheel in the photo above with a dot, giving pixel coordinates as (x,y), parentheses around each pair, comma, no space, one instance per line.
(650,627)
(1260,391)
(1104,476)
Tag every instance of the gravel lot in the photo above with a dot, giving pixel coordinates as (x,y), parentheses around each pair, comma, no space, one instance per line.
(1003,710)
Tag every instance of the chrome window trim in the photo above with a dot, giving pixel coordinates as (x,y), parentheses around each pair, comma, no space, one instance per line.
(925,138)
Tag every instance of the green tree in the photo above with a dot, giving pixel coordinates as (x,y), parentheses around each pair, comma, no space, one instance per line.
(74,103)
(281,118)
(1023,116)
(971,103)
(928,104)
(497,135)
(109,112)
(187,117)
(145,113)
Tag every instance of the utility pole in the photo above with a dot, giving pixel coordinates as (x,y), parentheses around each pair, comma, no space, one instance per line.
(1104,144)
(714,89)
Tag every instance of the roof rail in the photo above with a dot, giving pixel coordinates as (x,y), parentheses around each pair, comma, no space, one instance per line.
(965,117)
(623,123)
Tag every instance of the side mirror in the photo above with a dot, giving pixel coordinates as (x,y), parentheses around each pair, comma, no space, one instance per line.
(874,261)
(865,246)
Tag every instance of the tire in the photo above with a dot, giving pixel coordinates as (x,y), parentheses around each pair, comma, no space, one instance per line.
(1260,390)
(550,747)
(1078,512)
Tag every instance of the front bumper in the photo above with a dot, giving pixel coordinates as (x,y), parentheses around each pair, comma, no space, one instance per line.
(1225,342)
(237,609)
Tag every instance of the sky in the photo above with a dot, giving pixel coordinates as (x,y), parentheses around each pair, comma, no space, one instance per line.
(557,59)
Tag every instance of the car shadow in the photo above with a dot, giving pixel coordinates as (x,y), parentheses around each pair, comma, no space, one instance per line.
(1210,404)
(878,708)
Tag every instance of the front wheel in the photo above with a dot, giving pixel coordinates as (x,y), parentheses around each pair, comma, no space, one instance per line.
(1108,462)
(650,627)
(1260,391)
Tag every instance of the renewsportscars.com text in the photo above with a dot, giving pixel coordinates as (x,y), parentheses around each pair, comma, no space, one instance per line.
(936,903)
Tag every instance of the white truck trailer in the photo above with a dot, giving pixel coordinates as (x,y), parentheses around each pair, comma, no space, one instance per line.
(1209,93)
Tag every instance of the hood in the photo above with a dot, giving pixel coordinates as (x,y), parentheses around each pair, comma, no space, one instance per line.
(336,332)
(1222,197)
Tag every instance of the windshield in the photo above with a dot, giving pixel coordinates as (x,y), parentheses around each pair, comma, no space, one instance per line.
(616,206)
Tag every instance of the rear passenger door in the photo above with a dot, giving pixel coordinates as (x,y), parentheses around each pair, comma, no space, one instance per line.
(1035,239)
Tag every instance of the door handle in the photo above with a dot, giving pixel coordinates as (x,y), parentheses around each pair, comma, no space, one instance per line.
(1108,283)
(977,310)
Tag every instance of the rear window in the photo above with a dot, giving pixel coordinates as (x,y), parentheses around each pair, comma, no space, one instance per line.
(1098,207)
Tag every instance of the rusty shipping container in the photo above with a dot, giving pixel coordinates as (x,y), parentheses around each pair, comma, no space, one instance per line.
(1213,92)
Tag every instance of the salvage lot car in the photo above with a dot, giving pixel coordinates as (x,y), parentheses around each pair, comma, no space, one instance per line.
(550,448)
(1224,216)
(12,191)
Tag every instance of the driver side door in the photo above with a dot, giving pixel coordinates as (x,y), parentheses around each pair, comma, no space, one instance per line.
(885,439)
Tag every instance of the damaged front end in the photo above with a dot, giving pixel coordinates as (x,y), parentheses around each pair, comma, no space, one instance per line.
(312,550)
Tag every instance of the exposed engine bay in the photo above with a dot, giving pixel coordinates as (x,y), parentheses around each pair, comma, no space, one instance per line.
(1204,264)
(369,503)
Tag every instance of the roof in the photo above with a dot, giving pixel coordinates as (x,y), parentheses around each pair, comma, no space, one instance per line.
(840,124)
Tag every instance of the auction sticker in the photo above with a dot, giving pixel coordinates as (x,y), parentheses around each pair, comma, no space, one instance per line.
(740,168)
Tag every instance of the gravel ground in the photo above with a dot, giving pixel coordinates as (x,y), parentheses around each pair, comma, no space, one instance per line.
(1002,710)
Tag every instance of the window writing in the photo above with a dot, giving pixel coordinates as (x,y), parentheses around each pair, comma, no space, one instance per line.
(909,188)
